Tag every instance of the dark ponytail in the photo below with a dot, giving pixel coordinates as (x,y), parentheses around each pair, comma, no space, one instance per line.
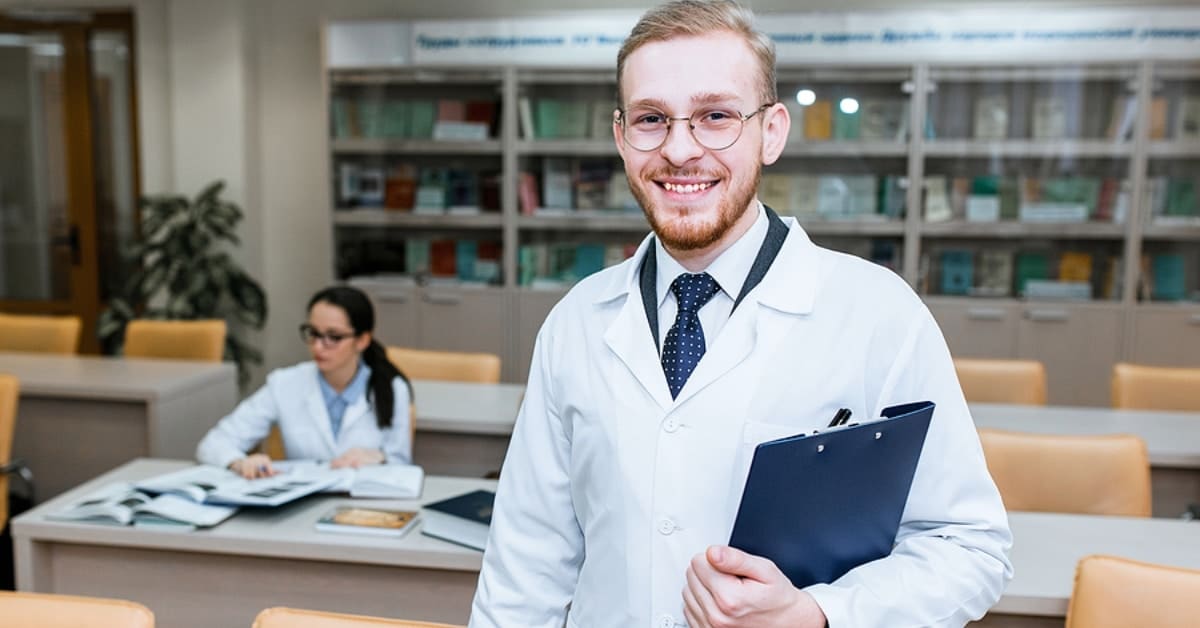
(361,315)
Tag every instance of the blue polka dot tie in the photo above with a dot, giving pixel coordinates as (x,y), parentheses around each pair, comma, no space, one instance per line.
(684,344)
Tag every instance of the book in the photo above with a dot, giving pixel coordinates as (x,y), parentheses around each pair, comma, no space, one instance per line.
(1158,118)
(818,120)
(1049,118)
(525,118)
(991,117)
(775,191)
(872,465)
(601,119)
(995,274)
(557,183)
(463,519)
(1187,118)
(206,484)
(937,201)
(1168,277)
(1124,113)
(796,113)
(374,521)
(958,272)
(845,123)
(591,182)
(1075,266)
(1031,267)
(883,119)
(380,481)
(122,504)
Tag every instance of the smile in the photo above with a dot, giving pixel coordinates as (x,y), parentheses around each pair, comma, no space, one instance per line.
(687,188)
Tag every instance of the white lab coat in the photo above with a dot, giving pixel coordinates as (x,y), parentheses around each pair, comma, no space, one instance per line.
(292,398)
(610,487)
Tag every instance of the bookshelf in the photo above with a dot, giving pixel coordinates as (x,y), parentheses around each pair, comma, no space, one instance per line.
(1013,198)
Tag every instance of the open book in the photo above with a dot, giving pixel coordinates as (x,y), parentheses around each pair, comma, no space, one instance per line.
(213,485)
(384,481)
(122,504)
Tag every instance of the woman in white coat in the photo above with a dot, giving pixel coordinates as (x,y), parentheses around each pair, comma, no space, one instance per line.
(349,405)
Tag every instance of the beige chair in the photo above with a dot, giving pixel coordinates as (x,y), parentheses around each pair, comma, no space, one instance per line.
(9,389)
(1096,475)
(47,610)
(451,366)
(1155,387)
(1002,381)
(180,340)
(39,334)
(280,617)
(1113,592)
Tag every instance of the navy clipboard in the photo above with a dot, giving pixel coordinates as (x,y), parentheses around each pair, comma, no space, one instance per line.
(820,505)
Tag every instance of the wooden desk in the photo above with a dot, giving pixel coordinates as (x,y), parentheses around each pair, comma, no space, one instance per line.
(1046,548)
(225,575)
(1172,441)
(80,416)
(463,428)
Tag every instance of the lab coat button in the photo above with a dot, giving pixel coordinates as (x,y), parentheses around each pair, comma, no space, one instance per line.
(666,526)
(666,621)
(671,425)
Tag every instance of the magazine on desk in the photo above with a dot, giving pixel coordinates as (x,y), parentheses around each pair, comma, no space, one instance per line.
(380,481)
(123,504)
(212,485)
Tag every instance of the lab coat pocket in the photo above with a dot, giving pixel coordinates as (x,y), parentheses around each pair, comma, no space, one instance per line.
(756,432)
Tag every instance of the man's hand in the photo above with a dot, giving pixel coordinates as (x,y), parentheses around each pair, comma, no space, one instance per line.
(356,457)
(253,466)
(728,587)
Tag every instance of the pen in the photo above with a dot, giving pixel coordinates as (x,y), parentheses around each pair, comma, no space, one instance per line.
(840,417)
(845,417)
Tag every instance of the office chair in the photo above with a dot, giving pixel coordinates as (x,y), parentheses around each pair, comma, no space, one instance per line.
(1155,387)
(49,610)
(1113,592)
(453,366)
(9,391)
(39,334)
(1002,381)
(1096,475)
(280,617)
(202,340)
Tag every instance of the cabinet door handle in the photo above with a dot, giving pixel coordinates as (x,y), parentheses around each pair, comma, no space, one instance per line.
(392,297)
(1194,319)
(1047,316)
(443,299)
(985,314)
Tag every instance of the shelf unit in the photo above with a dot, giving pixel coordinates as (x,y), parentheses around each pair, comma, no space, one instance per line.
(1056,124)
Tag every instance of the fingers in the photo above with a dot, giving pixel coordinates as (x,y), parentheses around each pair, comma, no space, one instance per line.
(735,562)
(692,610)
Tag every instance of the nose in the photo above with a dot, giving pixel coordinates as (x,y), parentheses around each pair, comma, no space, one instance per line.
(680,146)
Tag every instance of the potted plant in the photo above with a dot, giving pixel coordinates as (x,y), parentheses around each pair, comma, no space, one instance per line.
(183,272)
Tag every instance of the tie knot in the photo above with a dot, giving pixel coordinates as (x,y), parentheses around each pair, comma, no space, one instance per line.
(693,291)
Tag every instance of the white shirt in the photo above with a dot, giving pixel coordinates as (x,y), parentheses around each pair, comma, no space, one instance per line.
(729,269)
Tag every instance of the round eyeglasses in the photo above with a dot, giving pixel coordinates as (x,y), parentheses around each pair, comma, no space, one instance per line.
(714,128)
(329,339)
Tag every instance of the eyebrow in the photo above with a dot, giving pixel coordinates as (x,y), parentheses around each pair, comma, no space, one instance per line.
(705,98)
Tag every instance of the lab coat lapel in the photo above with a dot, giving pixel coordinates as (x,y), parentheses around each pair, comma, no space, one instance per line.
(319,416)
(355,412)
(630,339)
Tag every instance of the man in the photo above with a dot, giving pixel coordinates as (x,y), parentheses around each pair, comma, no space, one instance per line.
(651,384)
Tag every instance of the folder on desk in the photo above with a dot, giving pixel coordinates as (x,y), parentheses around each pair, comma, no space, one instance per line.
(819,505)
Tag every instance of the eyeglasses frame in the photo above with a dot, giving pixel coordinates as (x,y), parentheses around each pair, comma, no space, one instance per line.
(743,117)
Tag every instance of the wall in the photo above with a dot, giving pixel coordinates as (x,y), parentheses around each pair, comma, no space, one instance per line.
(232,89)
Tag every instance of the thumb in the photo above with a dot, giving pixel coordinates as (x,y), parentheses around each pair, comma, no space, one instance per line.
(735,562)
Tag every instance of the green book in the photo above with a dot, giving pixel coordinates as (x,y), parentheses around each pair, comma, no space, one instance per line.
(574,119)
(395,119)
(1182,199)
(1168,273)
(845,125)
(1031,266)
(421,116)
(546,115)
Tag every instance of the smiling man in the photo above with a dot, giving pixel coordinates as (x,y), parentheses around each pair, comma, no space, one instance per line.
(653,381)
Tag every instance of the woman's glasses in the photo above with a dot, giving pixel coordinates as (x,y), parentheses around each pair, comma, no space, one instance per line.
(329,339)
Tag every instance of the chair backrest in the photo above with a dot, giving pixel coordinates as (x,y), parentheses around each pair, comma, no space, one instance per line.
(1113,592)
(454,366)
(1002,381)
(1095,475)
(9,388)
(39,334)
(1155,387)
(48,610)
(180,340)
(280,617)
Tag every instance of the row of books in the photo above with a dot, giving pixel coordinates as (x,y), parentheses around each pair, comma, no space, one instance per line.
(833,197)
(561,264)
(575,184)
(426,190)
(471,261)
(412,118)
(992,117)
(1026,199)
(1001,273)
(565,118)
(882,119)
(1174,198)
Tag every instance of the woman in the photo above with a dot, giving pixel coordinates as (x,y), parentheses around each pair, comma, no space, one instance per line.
(349,405)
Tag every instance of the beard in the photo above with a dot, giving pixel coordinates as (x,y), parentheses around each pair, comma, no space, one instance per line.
(681,228)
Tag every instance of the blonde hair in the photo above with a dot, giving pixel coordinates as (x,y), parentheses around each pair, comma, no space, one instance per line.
(690,18)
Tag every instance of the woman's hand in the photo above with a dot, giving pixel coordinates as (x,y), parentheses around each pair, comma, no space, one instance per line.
(253,466)
(356,457)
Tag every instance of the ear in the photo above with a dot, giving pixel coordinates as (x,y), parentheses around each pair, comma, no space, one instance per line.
(618,136)
(363,341)
(776,125)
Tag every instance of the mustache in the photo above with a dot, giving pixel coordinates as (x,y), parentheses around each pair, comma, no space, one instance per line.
(667,173)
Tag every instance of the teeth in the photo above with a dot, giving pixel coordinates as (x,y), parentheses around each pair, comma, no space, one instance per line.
(690,188)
